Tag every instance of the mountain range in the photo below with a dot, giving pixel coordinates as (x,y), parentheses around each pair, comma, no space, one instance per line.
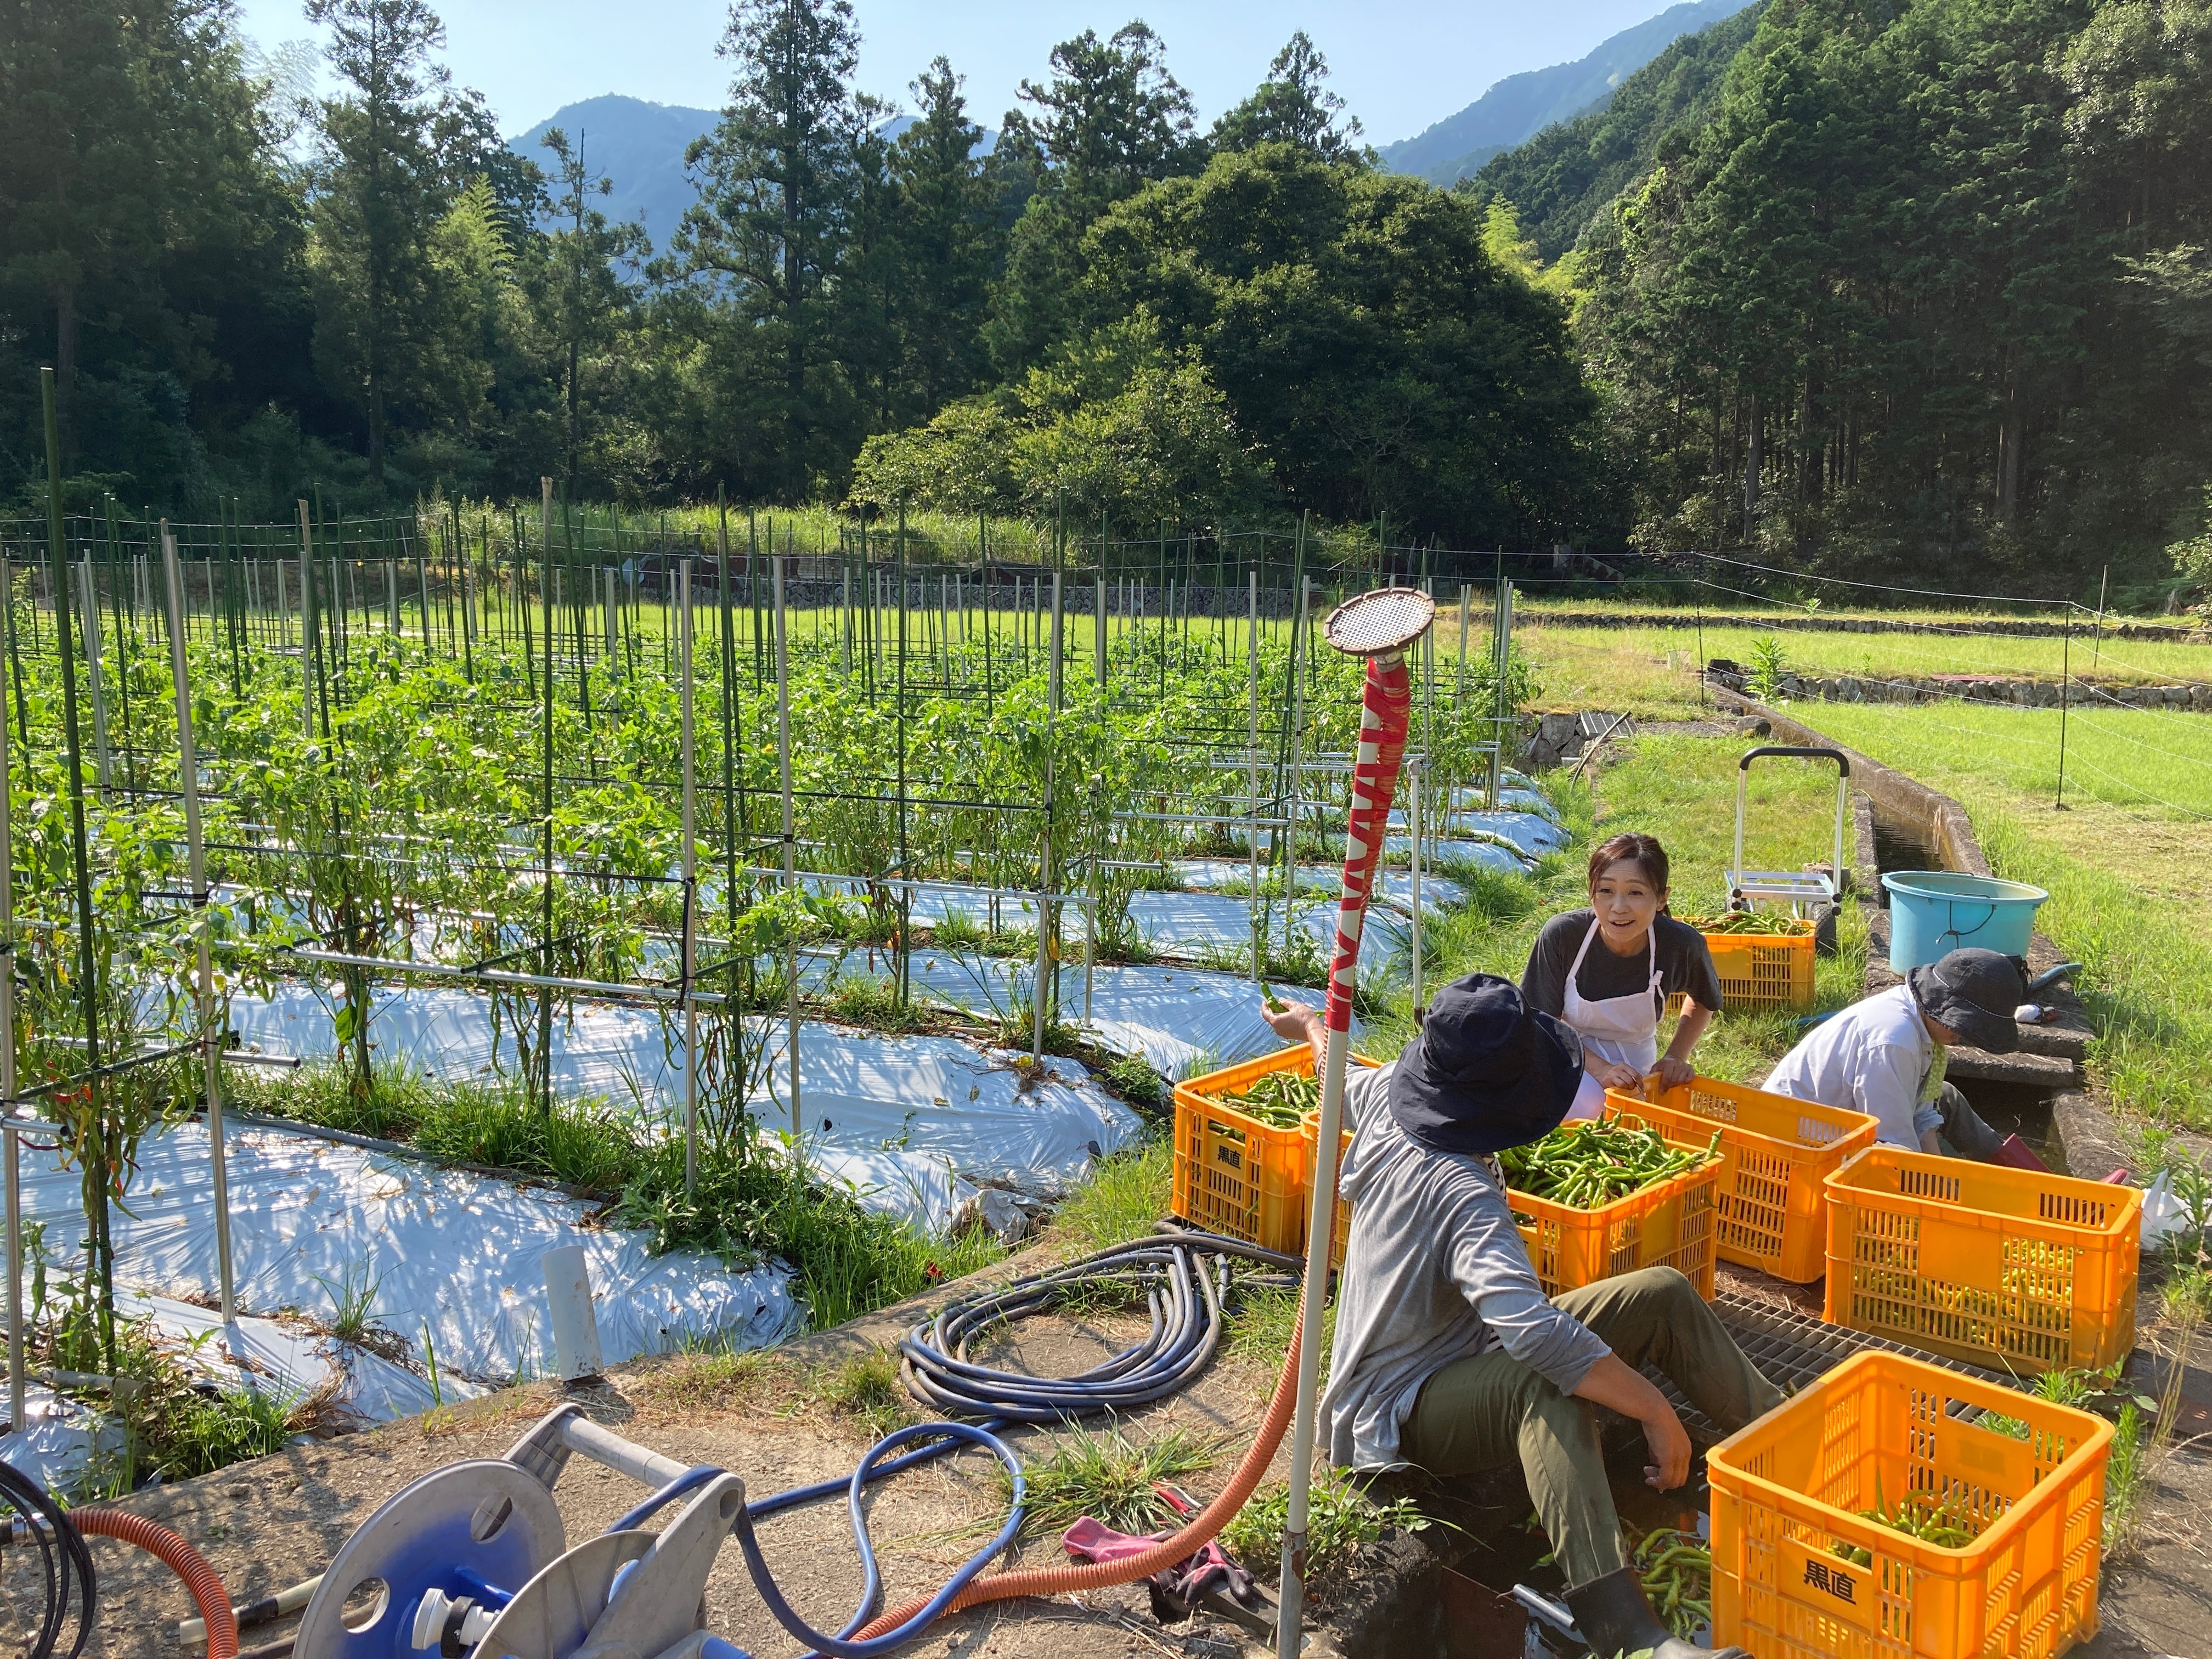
(639,148)
(1567,175)
(1521,106)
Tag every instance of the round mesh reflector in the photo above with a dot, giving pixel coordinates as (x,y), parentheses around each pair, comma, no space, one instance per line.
(1382,620)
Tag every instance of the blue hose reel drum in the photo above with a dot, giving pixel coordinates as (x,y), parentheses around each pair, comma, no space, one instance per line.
(1935,912)
(483,1522)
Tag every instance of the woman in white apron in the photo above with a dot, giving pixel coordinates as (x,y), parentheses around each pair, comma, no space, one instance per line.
(1641,955)
(1623,1032)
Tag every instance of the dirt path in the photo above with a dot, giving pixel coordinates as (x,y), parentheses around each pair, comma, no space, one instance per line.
(770,1418)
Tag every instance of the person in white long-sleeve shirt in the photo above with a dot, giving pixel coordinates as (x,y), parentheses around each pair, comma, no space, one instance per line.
(1884,1056)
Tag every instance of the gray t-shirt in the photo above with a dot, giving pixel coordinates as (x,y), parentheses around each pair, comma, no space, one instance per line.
(1684,961)
(1435,1271)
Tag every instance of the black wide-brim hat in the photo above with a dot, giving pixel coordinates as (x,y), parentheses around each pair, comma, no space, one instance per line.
(1975,992)
(1486,1072)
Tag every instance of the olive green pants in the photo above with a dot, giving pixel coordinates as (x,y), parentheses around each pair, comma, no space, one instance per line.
(1481,1414)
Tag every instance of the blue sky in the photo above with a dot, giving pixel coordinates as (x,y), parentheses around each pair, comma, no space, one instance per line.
(1401,65)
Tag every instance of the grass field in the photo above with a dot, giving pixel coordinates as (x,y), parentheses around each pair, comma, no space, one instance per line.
(1653,671)
(2121,863)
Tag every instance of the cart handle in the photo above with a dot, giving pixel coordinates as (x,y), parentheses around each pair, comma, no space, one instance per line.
(1843,796)
(1843,761)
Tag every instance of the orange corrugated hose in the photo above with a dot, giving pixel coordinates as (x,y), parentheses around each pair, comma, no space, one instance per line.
(187,1563)
(1209,1521)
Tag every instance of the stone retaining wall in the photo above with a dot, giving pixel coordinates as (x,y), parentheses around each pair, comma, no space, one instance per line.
(1971,688)
(2184,633)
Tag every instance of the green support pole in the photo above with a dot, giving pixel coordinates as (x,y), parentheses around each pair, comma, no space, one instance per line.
(99,1246)
(545,802)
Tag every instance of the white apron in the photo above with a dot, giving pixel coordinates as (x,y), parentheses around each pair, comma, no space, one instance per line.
(1622,1030)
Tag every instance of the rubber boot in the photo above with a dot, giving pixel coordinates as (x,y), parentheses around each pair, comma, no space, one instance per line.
(1615,1618)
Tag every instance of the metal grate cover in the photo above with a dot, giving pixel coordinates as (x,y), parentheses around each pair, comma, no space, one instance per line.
(1794,1349)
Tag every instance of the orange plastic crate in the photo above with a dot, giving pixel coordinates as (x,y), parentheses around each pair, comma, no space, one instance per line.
(1880,1429)
(1235,1175)
(1775,1153)
(1970,1259)
(1764,971)
(1669,1224)
(1312,1130)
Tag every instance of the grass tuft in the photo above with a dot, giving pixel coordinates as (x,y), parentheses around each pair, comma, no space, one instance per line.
(751,1201)
(1110,1477)
(1341,1521)
(866,1388)
(702,1384)
(1125,1195)
(1259,1325)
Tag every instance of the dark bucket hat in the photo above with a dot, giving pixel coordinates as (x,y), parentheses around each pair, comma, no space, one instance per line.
(1486,1072)
(1975,992)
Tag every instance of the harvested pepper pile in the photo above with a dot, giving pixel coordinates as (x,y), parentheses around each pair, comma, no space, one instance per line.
(1589,1165)
(1280,1099)
(1753,922)
(1676,1568)
(1948,1524)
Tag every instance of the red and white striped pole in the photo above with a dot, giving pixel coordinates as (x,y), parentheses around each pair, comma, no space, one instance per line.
(1378,626)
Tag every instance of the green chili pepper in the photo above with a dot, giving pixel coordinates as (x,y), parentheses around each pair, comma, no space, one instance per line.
(1589,1165)
(1280,1099)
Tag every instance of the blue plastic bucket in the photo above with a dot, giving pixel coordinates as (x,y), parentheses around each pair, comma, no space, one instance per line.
(1932,912)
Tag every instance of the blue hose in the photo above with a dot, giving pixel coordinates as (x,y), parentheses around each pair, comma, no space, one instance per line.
(1185,1326)
(839,1646)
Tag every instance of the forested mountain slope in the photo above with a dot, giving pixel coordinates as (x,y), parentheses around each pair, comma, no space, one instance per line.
(1520,105)
(1569,174)
(1926,298)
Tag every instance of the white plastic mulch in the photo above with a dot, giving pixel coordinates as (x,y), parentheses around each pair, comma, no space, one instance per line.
(451,1255)
(914,1123)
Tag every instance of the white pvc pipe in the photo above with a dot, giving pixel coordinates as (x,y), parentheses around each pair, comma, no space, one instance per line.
(1414,770)
(188,772)
(576,1351)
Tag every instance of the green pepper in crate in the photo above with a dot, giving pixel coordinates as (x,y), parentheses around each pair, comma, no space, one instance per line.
(1948,1525)
(1280,1099)
(1588,1165)
(1750,923)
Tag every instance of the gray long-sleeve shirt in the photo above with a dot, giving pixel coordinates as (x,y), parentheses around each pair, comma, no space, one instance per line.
(1435,1271)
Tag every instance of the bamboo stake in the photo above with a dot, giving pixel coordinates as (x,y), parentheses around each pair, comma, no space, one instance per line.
(11,1156)
(307,612)
(905,968)
(1045,887)
(690,885)
(790,877)
(99,1249)
(188,786)
(96,681)
(545,874)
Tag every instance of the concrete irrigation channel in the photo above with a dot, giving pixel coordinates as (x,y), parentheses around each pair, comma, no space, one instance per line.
(802,1412)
